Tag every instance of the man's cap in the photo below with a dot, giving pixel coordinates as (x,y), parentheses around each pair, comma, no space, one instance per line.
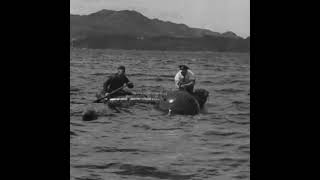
(122,67)
(183,67)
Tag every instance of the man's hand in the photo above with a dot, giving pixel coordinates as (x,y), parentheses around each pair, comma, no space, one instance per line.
(182,84)
(106,94)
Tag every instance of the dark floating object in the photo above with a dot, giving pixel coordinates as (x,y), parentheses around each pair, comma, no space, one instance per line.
(182,102)
(89,115)
(201,95)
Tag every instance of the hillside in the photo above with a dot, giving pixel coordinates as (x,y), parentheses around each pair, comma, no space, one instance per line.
(130,29)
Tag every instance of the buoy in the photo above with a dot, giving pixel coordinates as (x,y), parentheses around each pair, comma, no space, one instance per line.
(89,115)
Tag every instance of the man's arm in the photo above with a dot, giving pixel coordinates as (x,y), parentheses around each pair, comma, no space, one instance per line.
(107,84)
(191,82)
(177,80)
(128,83)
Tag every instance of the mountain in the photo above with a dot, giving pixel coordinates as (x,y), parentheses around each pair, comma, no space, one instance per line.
(107,22)
(229,34)
(114,29)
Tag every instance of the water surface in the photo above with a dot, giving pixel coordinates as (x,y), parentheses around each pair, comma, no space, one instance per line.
(141,142)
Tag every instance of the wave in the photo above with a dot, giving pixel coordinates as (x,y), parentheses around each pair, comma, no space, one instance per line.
(113,149)
(219,133)
(206,82)
(101,74)
(138,170)
(72,133)
(229,90)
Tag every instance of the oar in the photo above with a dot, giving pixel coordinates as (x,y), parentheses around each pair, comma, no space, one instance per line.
(98,100)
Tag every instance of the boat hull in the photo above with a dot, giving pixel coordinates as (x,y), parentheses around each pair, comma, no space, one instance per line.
(173,102)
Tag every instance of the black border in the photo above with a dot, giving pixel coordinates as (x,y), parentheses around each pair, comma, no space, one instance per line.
(36,72)
(281,68)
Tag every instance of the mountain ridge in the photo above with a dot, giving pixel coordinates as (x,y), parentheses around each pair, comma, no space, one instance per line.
(134,23)
(127,29)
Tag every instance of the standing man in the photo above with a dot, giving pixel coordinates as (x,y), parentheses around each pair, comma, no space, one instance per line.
(117,81)
(185,79)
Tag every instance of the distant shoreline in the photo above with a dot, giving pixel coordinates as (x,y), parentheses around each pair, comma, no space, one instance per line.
(178,51)
(207,43)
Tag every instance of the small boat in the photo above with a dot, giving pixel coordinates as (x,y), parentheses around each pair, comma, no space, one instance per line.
(174,102)
(132,99)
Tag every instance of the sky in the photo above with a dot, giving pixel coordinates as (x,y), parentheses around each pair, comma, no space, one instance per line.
(216,15)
